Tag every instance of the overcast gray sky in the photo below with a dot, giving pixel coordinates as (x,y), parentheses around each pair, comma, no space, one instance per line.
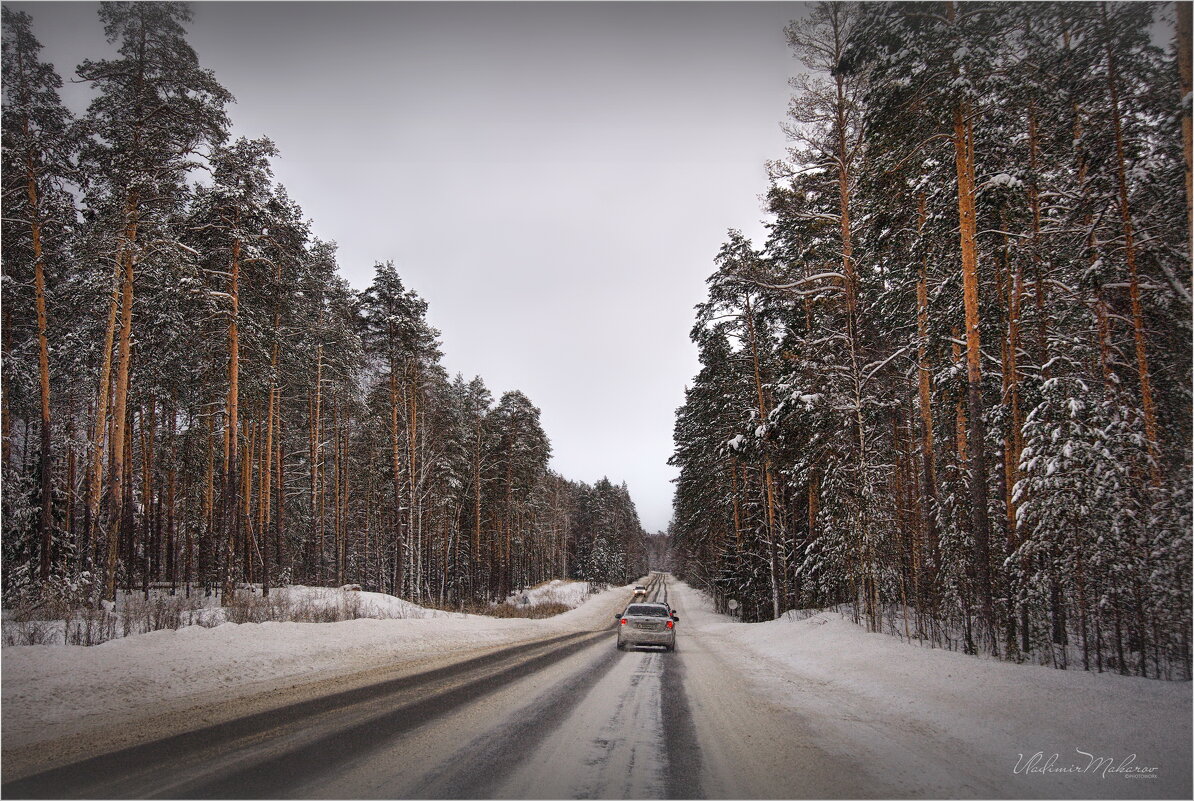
(554,178)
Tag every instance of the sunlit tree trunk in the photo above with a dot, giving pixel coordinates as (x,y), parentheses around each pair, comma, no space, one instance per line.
(960,427)
(280,513)
(231,423)
(412,430)
(1146,392)
(265,507)
(963,139)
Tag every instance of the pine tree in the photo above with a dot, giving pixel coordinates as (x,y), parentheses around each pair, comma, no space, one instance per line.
(39,143)
(138,164)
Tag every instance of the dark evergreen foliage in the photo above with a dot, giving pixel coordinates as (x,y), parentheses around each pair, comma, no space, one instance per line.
(278,426)
(1069,117)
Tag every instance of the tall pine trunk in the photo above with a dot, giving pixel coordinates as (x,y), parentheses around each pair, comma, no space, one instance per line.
(924,371)
(963,140)
(396,465)
(769,493)
(120,399)
(315,448)
(267,469)
(412,518)
(231,422)
(1146,392)
(99,439)
(45,523)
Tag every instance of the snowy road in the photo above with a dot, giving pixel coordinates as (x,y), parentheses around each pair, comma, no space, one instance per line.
(606,724)
(571,717)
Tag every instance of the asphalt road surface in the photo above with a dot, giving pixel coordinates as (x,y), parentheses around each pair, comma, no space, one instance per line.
(566,717)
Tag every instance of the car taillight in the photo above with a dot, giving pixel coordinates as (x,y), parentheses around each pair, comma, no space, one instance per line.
(623,621)
(670,624)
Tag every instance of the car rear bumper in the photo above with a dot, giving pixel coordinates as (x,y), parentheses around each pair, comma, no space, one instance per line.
(632,636)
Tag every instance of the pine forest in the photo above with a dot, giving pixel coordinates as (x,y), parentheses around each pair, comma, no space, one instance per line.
(951,391)
(194,398)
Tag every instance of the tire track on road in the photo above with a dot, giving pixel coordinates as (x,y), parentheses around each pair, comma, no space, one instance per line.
(482,766)
(339,749)
(138,771)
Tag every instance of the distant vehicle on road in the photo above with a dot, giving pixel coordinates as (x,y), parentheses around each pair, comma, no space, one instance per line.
(647,624)
(639,589)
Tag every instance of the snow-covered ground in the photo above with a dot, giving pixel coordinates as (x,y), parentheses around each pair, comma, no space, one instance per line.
(869,713)
(55,691)
(135,614)
(556,591)
(946,724)
(353,603)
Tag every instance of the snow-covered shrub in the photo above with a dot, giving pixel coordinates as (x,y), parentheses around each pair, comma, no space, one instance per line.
(316,605)
(533,611)
(140,615)
(90,626)
(31,632)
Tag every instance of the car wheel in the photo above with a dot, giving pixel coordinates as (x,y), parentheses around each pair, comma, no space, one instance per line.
(620,646)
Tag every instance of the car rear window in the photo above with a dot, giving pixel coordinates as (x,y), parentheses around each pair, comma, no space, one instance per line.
(647,611)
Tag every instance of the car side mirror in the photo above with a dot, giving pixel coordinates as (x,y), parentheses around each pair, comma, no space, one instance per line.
(617,617)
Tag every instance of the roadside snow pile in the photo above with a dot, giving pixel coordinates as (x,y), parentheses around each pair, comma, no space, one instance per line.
(388,607)
(135,614)
(557,591)
(54,691)
(302,604)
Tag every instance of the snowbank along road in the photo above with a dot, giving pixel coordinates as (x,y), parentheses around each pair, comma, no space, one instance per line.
(569,716)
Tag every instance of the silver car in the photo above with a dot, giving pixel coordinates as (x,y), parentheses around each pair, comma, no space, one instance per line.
(647,624)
